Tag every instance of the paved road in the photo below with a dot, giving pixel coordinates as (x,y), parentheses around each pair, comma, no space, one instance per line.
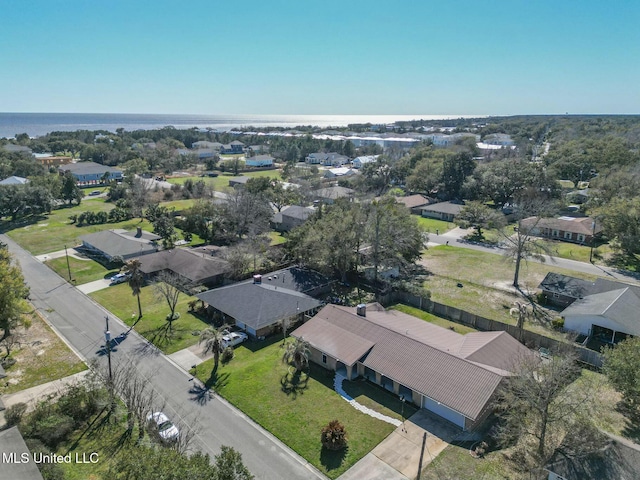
(81,324)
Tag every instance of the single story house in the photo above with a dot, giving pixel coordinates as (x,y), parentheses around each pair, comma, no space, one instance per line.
(13,148)
(331,194)
(196,267)
(201,153)
(260,161)
(359,162)
(258,149)
(580,230)
(238,181)
(413,202)
(446,211)
(12,446)
(562,290)
(120,243)
(259,305)
(617,458)
(235,147)
(48,160)
(291,217)
(90,173)
(13,180)
(331,159)
(339,172)
(454,376)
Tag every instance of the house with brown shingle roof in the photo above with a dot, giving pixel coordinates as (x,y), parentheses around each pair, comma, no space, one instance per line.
(413,202)
(454,376)
(568,229)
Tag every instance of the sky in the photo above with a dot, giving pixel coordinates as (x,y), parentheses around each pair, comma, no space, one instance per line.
(320,57)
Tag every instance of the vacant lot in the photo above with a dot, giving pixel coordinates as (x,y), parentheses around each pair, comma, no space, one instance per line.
(258,383)
(221,182)
(40,358)
(427,317)
(153,325)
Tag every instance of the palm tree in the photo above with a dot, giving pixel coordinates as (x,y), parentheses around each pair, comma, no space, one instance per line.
(212,339)
(136,281)
(297,354)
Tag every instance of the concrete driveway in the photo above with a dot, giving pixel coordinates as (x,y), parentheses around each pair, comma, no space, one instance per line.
(407,451)
(94,286)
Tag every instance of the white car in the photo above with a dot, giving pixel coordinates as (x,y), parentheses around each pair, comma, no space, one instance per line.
(231,339)
(167,430)
(119,278)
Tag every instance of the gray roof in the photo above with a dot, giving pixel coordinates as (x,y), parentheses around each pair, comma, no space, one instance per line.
(14,181)
(444,207)
(579,288)
(462,372)
(194,266)
(121,243)
(333,193)
(618,459)
(298,212)
(258,305)
(12,442)
(237,180)
(88,168)
(621,306)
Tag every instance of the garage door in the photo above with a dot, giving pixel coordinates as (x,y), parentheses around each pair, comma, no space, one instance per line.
(443,411)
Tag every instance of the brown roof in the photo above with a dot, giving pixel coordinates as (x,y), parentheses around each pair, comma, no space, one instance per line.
(583,225)
(420,357)
(197,267)
(412,201)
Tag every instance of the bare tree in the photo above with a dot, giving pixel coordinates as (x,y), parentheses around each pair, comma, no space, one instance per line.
(167,287)
(139,195)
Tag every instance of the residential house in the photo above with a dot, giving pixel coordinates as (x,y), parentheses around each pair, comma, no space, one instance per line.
(48,160)
(235,147)
(238,181)
(119,243)
(207,145)
(14,181)
(13,148)
(617,458)
(201,153)
(580,230)
(339,172)
(260,161)
(258,306)
(359,162)
(499,139)
(562,290)
(258,149)
(291,217)
(331,159)
(414,203)
(195,267)
(91,173)
(446,211)
(331,194)
(454,376)
(14,451)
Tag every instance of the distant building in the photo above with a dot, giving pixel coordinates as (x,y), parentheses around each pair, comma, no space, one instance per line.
(291,217)
(260,161)
(204,144)
(331,194)
(90,173)
(238,181)
(568,229)
(14,181)
(235,147)
(501,139)
(339,172)
(12,148)
(446,211)
(326,159)
(359,162)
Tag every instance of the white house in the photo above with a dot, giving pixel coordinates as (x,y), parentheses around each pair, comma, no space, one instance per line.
(358,162)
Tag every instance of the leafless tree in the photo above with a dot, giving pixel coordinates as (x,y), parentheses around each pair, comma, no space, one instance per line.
(168,287)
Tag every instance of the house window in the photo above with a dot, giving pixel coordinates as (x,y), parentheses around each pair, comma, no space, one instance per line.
(555,233)
(580,237)
(567,235)
(324,358)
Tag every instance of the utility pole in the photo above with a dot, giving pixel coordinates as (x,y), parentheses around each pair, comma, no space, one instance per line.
(68,267)
(107,339)
(593,239)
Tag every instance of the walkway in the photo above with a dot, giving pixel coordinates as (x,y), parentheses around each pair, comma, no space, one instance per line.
(61,253)
(337,386)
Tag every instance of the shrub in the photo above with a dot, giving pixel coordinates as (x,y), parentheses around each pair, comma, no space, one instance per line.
(53,429)
(13,415)
(334,436)
(227,355)
(558,323)
(79,403)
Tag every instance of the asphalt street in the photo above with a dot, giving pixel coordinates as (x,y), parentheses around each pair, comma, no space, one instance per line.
(81,324)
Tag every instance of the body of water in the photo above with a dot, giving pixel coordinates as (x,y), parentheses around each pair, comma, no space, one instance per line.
(36,124)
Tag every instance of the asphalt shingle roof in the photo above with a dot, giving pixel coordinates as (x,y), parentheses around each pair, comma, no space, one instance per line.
(87,168)
(194,266)
(114,243)
(621,306)
(12,442)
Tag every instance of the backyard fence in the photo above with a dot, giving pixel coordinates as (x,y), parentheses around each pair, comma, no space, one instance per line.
(530,339)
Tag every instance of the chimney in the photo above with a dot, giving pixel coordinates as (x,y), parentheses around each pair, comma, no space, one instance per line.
(257,279)
(361,310)
(138,232)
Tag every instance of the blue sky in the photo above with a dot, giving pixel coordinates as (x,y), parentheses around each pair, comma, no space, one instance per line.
(320,57)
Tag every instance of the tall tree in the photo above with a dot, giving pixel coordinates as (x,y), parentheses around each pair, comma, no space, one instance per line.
(136,280)
(71,192)
(13,292)
(213,342)
(455,170)
(296,354)
(479,216)
(622,368)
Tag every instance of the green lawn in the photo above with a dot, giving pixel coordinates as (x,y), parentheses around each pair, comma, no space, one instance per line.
(456,462)
(431,225)
(221,182)
(572,251)
(153,325)
(179,205)
(426,316)
(82,271)
(252,382)
(276,238)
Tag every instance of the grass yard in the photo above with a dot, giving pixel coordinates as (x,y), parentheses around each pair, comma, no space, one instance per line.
(427,317)
(153,325)
(255,381)
(456,462)
(431,225)
(221,182)
(41,358)
(179,205)
(276,238)
(82,271)
(576,252)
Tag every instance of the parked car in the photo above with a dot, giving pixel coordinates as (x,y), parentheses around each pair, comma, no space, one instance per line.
(119,278)
(95,192)
(231,339)
(167,430)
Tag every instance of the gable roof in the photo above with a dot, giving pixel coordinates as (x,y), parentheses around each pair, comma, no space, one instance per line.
(584,225)
(88,168)
(12,442)
(620,305)
(13,180)
(120,242)
(411,357)
(444,207)
(333,193)
(194,266)
(297,212)
(412,201)
(618,458)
